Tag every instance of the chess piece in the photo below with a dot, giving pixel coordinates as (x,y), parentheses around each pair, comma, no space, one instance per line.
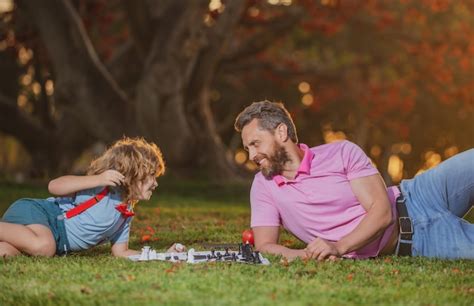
(190,258)
(256,258)
(247,252)
(145,253)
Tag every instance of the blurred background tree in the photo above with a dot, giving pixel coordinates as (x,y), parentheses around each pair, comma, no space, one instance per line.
(395,77)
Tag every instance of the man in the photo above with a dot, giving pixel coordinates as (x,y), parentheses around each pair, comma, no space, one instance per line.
(332,198)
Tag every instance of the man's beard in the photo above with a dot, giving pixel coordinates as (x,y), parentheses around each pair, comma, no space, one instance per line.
(277,162)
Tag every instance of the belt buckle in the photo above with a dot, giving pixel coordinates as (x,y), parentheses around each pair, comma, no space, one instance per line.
(400,199)
(405,221)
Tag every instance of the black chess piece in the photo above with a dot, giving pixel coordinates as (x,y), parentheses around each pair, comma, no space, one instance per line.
(256,258)
(247,252)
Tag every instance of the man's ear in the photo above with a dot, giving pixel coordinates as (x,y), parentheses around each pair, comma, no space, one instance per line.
(281,132)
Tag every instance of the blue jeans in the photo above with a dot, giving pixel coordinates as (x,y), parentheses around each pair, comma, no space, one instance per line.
(436,201)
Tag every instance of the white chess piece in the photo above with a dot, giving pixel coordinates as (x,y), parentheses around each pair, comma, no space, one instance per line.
(190,256)
(145,253)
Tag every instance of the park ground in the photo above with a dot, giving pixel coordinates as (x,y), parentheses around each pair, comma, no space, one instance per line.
(195,213)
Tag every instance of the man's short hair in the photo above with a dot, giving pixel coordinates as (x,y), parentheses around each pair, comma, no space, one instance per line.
(269,115)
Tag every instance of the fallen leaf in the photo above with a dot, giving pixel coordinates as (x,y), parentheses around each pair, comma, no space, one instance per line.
(350,277)
(273,296)
(86,290)
(150,229)
(173,268)
(129,277)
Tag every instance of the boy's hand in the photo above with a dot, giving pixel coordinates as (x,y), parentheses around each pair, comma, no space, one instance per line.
(176,248)
(111,178)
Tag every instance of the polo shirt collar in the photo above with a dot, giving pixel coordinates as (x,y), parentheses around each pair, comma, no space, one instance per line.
(305,165)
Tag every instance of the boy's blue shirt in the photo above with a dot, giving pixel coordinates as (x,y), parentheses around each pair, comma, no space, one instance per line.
(98,224)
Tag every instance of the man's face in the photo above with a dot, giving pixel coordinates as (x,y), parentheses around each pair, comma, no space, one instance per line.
(264,149)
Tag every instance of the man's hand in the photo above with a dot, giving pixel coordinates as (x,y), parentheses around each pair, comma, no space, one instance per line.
(321,249)
(111,178)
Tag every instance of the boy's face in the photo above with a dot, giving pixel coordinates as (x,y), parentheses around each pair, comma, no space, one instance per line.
(146,188)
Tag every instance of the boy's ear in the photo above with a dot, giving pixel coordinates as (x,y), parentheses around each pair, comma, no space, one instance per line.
(282,132)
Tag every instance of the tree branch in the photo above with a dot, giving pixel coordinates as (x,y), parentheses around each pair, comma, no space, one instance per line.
(273,30)
(81,79)
(140,21)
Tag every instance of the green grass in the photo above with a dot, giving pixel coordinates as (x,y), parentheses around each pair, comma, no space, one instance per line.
(196,213)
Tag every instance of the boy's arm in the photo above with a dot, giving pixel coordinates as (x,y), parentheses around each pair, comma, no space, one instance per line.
(70,184)
(121,250)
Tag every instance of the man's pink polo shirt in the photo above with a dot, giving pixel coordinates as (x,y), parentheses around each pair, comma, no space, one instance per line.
(319,201)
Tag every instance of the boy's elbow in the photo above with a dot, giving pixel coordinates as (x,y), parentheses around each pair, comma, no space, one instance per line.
(52,188)
(118,253)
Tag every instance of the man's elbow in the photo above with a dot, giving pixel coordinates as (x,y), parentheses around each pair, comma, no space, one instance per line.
(386,219)
(262,247)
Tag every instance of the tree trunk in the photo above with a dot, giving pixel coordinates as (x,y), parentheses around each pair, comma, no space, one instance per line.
(172,101)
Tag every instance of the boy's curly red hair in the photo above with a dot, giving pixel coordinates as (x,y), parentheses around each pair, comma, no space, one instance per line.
(135,158)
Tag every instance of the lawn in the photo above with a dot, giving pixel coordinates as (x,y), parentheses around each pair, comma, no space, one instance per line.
(194,213)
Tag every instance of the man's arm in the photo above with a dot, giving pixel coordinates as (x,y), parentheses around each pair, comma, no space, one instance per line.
(372,194)
(266,240)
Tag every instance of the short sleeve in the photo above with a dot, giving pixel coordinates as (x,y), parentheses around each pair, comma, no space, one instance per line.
(123,233)
(263,210)
(356,163)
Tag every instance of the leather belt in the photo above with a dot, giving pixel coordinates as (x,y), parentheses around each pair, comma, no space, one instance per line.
(405,233)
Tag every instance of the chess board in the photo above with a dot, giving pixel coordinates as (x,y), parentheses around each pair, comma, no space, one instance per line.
(245,254)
